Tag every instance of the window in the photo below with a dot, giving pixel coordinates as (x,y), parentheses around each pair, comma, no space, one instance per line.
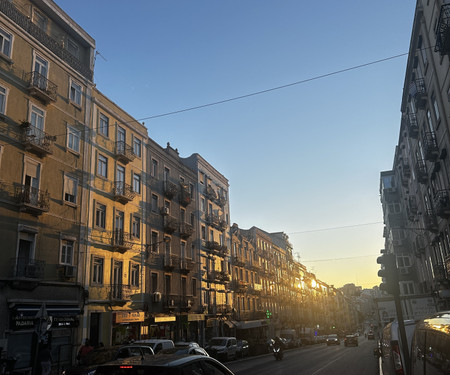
(203,229)
(202,204)
(5,43)
(137,183)
(154,203)
(202,178)
(136,227)
(73,139)
(154,242)
(154,282)
(37,117)
(102,166)
(39,20)
(103,126)
(154,168)
(75,93)
(66,252)
(3,95)
(137,147)
(97,270)
(134,275)
(100,216)
(70,189)
(436,108)
(72,47)
(2,147)
(194,287)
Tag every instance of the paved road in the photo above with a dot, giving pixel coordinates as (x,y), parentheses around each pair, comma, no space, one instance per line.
(313,360)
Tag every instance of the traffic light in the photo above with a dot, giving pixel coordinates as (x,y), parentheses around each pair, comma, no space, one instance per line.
(388,273)
(268,314)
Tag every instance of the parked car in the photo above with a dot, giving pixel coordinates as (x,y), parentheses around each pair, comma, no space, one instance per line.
(430,347)
(333,339)
(222,348)
(132,350)
(164,365)
(393,361)
(370,336)
(290,335)
(184,348)
(242,349)
(351,340)
(157,344)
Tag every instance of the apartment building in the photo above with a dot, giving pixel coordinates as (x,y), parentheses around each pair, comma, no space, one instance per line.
(173,258)
(213,242)
(46,69)
(415,192)
(116,210)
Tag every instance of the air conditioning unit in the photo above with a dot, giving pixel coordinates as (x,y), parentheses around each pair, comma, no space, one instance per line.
(172,302)
(70,271)
(189,303)
(157,297)
(166,210)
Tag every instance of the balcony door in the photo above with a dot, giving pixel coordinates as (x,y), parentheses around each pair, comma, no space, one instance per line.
(40,73)
(121,136)
(120,179)
(118,228)
(31,182)
(117,280)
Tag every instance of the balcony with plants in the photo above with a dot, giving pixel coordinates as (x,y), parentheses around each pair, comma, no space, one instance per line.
(170,189)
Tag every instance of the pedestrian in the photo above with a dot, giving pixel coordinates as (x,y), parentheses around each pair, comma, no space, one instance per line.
(84,350)
(45,359)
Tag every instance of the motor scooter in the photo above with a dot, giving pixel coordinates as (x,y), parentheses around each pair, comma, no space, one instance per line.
(277,351)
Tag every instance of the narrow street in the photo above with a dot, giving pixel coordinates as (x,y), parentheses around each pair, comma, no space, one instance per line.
(313,360)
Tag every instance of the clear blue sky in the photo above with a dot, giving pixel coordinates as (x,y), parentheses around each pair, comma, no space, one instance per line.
(300,159)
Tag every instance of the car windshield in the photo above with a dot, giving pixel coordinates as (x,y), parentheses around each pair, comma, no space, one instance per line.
(218,342)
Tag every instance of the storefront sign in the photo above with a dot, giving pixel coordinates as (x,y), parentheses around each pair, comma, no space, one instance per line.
(160,319)
(196,317)
(128,316)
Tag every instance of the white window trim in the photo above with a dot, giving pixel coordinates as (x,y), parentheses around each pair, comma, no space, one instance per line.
(37,54)
(100,113)
(3,114)
(140,146)
(67,239)
(76,182)
(30,111)
(8,58)
(76,83)
(71,129)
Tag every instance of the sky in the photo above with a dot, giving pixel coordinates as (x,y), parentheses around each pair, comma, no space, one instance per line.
(304,155)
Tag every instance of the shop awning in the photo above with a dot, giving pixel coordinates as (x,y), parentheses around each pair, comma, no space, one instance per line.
(248,324)
(229,324)
(52,310)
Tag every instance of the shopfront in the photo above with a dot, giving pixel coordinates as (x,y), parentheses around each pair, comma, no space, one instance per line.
(127,326)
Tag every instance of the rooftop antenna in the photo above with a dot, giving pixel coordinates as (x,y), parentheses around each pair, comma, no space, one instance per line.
(98,53)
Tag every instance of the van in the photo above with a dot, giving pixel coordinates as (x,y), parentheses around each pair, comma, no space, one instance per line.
(157,344)
(222,348)
(393,362)
(430,352)
(290,335)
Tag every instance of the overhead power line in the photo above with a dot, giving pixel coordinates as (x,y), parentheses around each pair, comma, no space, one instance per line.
(334,259)
(335,228)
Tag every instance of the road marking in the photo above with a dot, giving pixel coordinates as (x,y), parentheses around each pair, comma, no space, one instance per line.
(329,363)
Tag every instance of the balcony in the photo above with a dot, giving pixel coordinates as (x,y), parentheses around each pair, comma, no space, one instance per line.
(169,262)
(413,127)
(40,87)
(221,200)
(412,208)
(171,302)
(439,272)
(186,303)
(185,196)
(123,192)
(170,224)
(223,277)
(121,241)
(124,152)
(223,309)
(210,193)
(421,172)
(36,140)
(417,90)
(239,286)
(170,189)
(121,293)
(442,203)
(238,261)
(430,221)
(443,31)
(32,200)
(213,220)
(186,230)
(115,293)
(430,146)
(25,268)
(186,266)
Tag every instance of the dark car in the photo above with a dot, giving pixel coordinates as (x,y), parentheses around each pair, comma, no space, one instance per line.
(351,340)
(370,336)
(164,365)
(333,339)
(243,349)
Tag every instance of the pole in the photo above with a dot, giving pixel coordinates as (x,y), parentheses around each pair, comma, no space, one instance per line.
(401,328)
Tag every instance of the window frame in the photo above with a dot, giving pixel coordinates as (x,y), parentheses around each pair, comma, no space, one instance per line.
(76,136)
(76,88)
(100,216)
(137,183)
(104,162)
(10,38)
(103,125)
(136,226)
(3,104)
(66,243)
(97,278)
(137,147)
(75,182)
(134,275)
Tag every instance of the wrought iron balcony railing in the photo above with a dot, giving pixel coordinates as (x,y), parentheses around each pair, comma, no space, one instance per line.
(185,195)
(25,268)
(442,203)
(112,292)
(123,192)
(31,199)
(121,240)
(170,224)
(36,140)
(124,152)
(186,265)
(443,31)
(41,87)
(170,189)
(413,127)
(186,230)
(417,90)
(430,221)
(421,171)
(25,22)
(430,146)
